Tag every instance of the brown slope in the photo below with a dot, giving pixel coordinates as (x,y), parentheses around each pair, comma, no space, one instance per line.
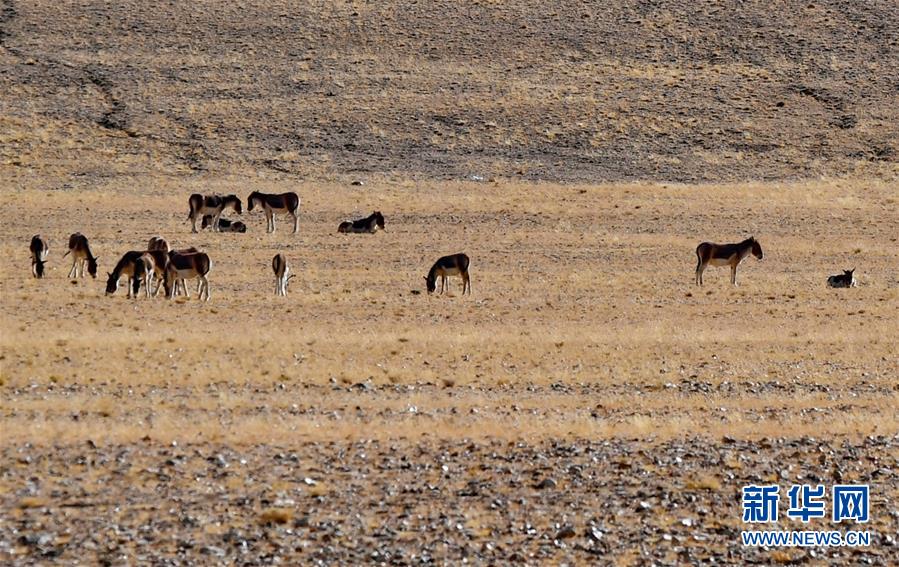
(685,91)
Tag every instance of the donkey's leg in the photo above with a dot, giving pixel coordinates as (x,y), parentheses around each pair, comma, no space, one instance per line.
(296,221)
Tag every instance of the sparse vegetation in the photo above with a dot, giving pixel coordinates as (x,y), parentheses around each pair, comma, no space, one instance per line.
(577,153)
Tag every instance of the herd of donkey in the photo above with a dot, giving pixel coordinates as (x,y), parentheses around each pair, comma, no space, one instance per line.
(169,268)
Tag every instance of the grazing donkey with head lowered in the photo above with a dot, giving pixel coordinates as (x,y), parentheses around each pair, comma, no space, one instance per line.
(454,265)
(81,255)
(369,224)
(211,205)
(138,267)
(288,203)
(725,255)
(39,250)
(846,279)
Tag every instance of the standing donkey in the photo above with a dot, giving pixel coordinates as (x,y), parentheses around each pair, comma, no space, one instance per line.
(39,250)
(288,203)
(725,255)
(282,274)
(211,205)
(158,243)
(187,266)
(81,255)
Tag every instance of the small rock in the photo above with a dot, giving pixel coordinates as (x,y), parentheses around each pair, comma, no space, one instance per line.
(212,550)
(546,483)
(566,532)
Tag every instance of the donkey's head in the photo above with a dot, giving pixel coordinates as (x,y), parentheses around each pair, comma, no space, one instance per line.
(431,282)
(756,248)
(92,266)
(112,283)
(251,200)
(39,268)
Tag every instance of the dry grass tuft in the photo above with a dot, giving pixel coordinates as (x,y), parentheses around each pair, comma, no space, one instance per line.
(32,502)
(703,482)
(276,516)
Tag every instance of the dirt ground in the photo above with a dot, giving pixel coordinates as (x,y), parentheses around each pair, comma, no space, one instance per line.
(588,403)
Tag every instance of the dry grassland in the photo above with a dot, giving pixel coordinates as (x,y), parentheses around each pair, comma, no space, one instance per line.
(587,403)
(584,321)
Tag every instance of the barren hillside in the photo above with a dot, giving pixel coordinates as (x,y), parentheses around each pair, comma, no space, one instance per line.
(599,91)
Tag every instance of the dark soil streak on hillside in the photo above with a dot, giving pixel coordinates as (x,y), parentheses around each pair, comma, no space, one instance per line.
(8,13)
(115,117)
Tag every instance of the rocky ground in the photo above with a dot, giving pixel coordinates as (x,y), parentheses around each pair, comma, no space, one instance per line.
(400,503)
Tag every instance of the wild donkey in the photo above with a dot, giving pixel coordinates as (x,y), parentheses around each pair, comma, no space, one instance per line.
(282,274)
(187,266)
(39,250)
(81,255)
(211,205)
(725,255)
(224,225)
(138,267)
(160,262)
(846,279)
(454,265)
(369,224)
(283,203)
(158,243)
